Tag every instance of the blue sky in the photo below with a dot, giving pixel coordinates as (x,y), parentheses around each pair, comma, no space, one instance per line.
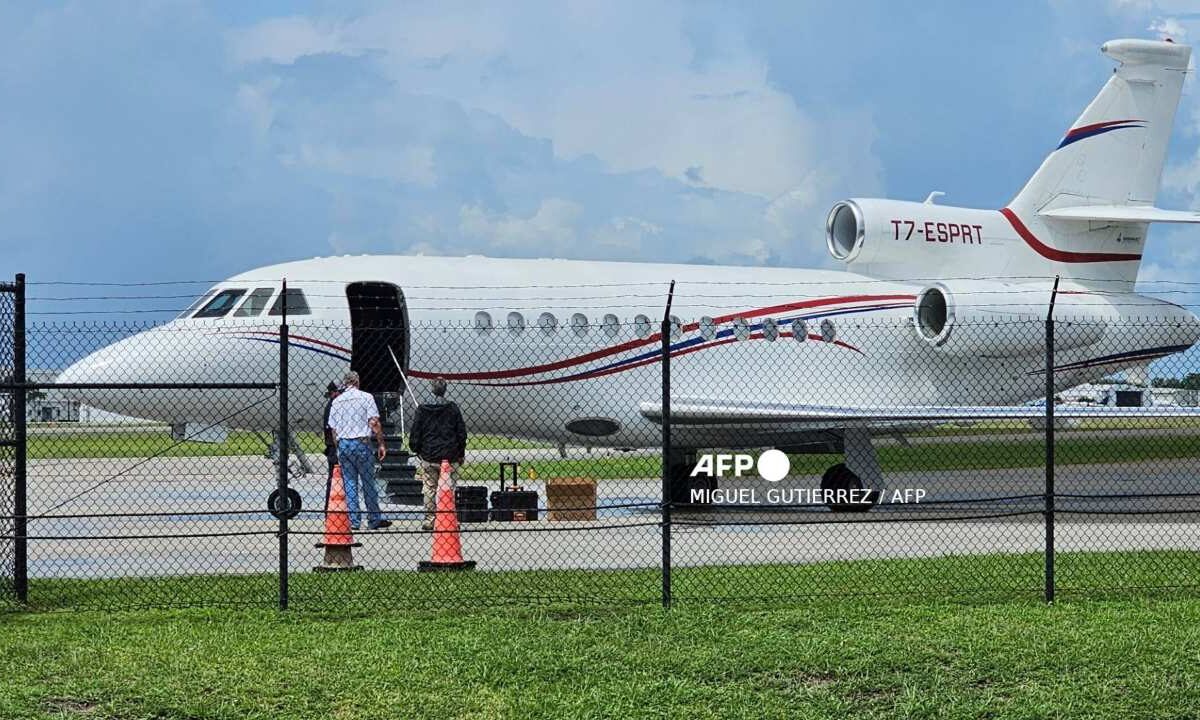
(180,140)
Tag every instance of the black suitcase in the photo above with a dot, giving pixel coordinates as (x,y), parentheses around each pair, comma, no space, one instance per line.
(471,502)
(515,503)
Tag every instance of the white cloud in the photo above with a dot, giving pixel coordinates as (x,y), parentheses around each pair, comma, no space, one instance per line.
(285,40)
(404,164)
(551,226)
(1169,27)
(656,146)
(555,72)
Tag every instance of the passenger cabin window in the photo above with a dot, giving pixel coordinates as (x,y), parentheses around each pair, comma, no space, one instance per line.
(547,322)
(799,330)
(708,328)
(770,330)
(642,326)
(676,327)
(741,328)
(612,325)
(579,323)
(828,331)
(516,321)
(220,305)
(255,303)
(483,321)
(296,303)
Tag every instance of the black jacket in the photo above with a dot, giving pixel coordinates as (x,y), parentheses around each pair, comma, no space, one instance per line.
(330,445)
(438,432)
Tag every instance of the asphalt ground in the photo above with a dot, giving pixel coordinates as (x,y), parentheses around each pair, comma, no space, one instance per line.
(173,516)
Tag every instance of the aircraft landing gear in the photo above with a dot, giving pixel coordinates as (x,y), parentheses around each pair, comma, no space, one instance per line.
(846,488)
(860,471)
(680,462)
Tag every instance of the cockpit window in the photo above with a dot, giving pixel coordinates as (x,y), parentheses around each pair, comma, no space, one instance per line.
(255,303)
(220,305)
(296,304)
(199,301)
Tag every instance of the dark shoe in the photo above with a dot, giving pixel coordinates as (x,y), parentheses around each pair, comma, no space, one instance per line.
(381,525)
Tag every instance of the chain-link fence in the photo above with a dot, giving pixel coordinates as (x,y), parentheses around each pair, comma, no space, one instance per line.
(897,465)
(10,421)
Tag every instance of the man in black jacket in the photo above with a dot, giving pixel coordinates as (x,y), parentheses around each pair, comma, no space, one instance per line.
(331,392)
(438,433)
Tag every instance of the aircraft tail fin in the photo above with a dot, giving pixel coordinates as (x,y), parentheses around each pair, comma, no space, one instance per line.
(1094,194)
(1114,153)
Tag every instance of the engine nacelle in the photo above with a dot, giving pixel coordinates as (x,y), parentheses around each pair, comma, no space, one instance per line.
(1005,320)
(899,239)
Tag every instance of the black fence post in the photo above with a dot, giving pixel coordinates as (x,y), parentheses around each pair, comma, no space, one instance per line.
(1049,490)
(666,449)
(284,448)
(21,438)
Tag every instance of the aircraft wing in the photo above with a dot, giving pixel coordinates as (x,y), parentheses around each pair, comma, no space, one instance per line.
(699,411)
(1123,213)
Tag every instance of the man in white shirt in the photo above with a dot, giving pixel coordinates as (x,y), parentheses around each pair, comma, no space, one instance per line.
(354,418)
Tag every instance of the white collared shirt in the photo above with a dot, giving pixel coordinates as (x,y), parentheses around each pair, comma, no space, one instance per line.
(350,414)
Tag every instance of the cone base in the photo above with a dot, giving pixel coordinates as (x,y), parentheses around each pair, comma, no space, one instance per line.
(338,558)
(427,566)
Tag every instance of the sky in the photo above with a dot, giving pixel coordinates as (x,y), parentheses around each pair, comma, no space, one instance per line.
(179,140)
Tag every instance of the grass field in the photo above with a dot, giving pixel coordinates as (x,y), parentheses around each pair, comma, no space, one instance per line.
(63,442)
(971,453)
(833,657)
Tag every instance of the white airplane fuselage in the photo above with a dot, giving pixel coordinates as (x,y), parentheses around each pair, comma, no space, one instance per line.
(533,382)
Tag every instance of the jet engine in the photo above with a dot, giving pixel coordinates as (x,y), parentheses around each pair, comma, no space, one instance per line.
(906,240)
(1005,320)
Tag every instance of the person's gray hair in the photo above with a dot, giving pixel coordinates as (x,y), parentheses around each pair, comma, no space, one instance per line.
(438,386)
(350,378)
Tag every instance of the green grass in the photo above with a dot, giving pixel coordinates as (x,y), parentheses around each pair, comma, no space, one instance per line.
(63,442)
(873,656)
(956,576)
(971,453)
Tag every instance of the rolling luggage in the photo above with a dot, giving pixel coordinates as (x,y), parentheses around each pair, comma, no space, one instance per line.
(515,503)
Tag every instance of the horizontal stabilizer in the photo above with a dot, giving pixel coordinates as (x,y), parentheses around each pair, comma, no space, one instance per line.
(687,411)
(1122,213)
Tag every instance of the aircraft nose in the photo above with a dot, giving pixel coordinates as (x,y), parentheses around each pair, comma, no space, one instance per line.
(130,375)
(126,361)
(121,363)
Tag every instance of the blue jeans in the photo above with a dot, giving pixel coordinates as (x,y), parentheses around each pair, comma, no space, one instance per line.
(358,468)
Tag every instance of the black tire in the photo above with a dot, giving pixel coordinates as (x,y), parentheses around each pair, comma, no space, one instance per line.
(840,477)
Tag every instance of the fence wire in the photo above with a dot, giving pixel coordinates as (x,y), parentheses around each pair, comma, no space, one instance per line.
(152,452)
(8,448)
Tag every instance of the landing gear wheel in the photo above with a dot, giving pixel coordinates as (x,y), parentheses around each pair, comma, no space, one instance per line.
(840,478)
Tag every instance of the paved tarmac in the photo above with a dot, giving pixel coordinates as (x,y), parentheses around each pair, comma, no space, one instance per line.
(211,512)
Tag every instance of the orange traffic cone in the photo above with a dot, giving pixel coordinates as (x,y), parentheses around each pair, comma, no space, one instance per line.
(338,537)
(447,545)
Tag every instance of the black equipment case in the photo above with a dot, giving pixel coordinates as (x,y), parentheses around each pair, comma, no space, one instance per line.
(471,502)
(515,503)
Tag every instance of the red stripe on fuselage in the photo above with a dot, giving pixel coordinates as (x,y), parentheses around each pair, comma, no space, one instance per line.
(630,366)
(1057,255)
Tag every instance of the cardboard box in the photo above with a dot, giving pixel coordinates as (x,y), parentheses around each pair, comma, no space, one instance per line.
(571,498)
